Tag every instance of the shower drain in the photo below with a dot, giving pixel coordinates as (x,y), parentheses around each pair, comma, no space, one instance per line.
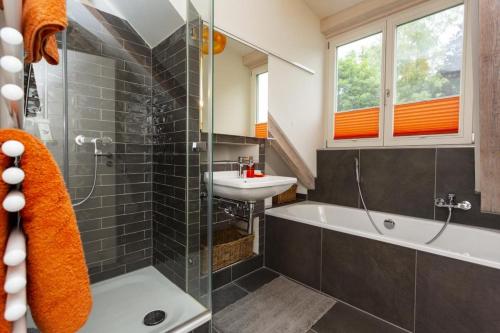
(154,317)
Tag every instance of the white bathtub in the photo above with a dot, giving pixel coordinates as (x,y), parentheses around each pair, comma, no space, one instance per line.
(476,245)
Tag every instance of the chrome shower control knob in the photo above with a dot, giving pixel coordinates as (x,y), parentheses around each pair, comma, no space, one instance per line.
(13,148)
(80,140)
(465,205)
(13,175)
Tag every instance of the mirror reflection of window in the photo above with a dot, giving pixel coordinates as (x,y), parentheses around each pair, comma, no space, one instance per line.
(262,97)
(261,101)
(240,91)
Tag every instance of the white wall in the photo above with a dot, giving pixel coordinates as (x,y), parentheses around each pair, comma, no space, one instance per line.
(232,90)
(276,166)
(290,29)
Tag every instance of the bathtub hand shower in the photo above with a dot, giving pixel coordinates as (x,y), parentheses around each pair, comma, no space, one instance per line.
(358,181)
(81,140)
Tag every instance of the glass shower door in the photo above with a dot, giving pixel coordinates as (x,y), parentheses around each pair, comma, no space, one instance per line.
(122,110)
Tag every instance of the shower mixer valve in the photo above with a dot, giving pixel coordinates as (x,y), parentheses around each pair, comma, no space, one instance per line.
(81,140)
(451,203)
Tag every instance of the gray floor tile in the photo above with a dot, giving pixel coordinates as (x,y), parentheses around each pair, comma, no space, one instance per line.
(257,279)
(345,319)
(225,296)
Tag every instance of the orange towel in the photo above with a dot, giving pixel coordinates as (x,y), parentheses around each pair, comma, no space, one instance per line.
(58,285)
(42,19)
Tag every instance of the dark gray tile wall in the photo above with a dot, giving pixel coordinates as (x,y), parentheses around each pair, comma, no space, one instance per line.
(294,249)
(231,273)
(109,94)
(337,186)
(373,276)
(402,181)
(418,291)
(170,154)
(456,296)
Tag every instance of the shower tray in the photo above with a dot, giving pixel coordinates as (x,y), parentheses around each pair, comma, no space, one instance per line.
(121,303)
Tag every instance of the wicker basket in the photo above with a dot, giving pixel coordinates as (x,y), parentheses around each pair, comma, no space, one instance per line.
(230,245)
(287,196)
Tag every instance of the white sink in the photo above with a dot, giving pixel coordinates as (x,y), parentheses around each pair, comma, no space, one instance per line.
(228,185)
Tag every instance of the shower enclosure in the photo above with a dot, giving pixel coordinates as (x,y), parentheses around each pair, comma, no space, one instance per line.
(120,114)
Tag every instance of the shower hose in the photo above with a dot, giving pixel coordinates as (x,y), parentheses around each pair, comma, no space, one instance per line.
(450,209)
(93,184)
(362,199)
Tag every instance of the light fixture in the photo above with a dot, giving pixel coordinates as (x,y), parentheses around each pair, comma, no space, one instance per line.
(219,44)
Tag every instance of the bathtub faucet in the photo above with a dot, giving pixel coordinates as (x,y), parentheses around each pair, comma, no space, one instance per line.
(451,203)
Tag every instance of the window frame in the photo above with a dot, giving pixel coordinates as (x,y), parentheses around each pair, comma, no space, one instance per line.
(346,38)
(386,137)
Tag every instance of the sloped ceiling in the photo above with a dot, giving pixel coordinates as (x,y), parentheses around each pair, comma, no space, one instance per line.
(324,8)
(154,20)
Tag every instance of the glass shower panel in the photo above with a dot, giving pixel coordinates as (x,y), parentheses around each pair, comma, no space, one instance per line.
(45,106)
(120,114)
(109,98)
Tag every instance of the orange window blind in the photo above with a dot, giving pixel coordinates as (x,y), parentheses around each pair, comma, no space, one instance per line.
(261,130)
(437,116)
(356,124)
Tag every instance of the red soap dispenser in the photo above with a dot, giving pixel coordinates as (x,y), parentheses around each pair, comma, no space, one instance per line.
(251,168)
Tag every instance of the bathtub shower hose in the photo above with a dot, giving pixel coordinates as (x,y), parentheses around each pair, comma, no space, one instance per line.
(450,210)
(362,199)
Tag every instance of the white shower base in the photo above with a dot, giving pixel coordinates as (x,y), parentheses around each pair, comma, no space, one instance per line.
(120,304)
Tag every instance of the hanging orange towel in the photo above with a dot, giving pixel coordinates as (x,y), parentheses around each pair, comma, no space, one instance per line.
(59,294)
(42,19)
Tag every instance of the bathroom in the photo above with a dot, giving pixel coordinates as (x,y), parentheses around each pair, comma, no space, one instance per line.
(226,166)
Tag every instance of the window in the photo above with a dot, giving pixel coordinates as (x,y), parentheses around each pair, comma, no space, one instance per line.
(260,96)
(358,88)
(400,81)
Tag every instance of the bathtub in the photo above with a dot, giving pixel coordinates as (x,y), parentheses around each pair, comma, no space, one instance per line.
(471,244)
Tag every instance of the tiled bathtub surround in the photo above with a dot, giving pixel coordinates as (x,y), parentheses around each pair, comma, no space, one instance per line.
(418,291)
(402,181)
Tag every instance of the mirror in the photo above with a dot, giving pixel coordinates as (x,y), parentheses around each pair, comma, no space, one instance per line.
(240,89)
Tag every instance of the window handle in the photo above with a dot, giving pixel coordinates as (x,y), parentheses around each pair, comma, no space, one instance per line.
(387,95)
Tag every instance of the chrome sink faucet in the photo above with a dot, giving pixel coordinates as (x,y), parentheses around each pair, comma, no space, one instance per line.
(243,161)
